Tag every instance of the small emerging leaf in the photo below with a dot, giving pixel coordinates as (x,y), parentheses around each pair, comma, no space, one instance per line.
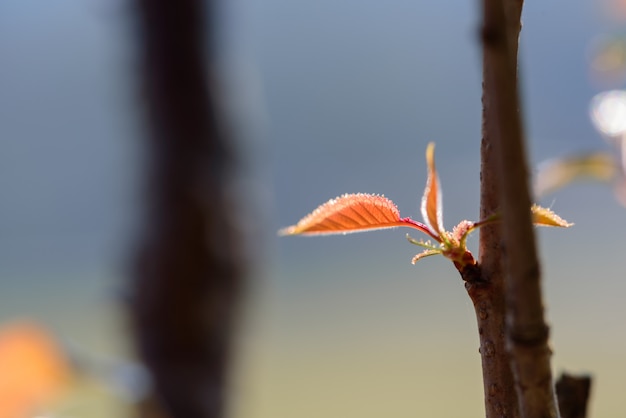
(352,213)
(545,217)
(462,231)
(424,244)
(423,254)
(431,201)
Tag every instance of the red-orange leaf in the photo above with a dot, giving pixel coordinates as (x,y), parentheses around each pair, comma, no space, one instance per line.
(352,213)
(431,201)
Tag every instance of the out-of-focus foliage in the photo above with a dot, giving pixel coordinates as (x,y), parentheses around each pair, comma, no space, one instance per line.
(41,377)
(607,110)
(559,172)
(34,373)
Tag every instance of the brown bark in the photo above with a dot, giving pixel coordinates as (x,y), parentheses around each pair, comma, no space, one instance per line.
(499,388)
(573,394)
(526,330)
(188,277)
(488,295)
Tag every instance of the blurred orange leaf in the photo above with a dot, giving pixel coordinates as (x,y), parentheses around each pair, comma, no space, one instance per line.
(32,370)
(352,213)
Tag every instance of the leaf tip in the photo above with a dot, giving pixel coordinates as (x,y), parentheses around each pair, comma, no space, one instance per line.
(431,207)
(290,230)
(430,152)
(545,217)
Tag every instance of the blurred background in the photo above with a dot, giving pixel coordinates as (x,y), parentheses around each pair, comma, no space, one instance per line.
(325,97)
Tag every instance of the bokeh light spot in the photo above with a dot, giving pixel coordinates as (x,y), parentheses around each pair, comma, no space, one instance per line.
(608,112)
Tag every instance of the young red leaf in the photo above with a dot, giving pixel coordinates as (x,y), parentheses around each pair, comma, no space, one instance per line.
(545,217)
(431,201)
(352,213)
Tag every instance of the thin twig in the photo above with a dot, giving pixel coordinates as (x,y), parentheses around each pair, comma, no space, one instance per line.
(526,330)
(188,278)
(573,393)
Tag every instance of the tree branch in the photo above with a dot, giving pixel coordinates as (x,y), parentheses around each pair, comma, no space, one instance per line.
(188,278)
(487,294)
(573,394)
(526,330)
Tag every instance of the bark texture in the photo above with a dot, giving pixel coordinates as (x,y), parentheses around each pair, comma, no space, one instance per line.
(188,276)
(499,389)
(488,294)
(526,330)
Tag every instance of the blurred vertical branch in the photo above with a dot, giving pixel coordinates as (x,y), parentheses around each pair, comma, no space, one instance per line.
(188,277)
(526,331)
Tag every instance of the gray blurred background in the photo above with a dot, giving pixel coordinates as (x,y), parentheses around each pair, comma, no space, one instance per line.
(326,97)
